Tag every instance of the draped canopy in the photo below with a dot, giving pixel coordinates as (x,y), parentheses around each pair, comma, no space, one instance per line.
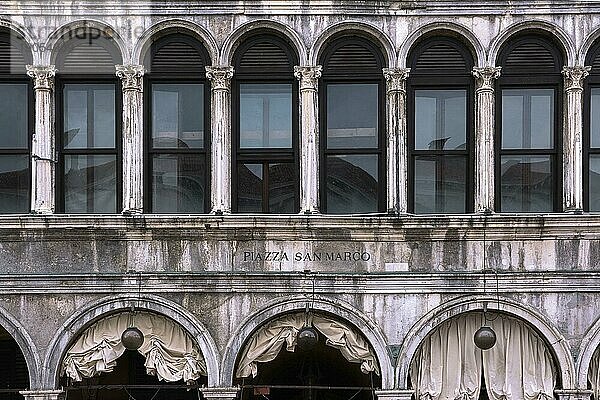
(171,354)
(449,366)
(265,344)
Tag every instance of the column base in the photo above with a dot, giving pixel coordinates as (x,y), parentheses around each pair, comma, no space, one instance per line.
(218,393)
(42,394)
(396,394)
(573,394)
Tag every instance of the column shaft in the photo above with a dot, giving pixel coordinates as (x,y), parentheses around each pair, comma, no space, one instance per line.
(397,140)
(42,146)
(133,137)
(220,77)
(573,130)
(484,138)
(309,137)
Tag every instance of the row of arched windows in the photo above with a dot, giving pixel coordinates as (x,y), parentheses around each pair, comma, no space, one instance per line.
(266,126)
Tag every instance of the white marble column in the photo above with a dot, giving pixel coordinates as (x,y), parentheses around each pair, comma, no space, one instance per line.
(573,131)
(484,137)
(396,394)
(573,394)
(42,394)
(220,393)
(220,78)
(309,137)
(397,140)
(42,146)
(133,137)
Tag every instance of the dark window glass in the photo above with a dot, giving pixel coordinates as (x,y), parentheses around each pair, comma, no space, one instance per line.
(595,118)
(593,149)
(528,119)
(526,183)
(178,115)
(265,115)
(14,116)
(250,188)
(440,119)
(14,183)
(440,184)
(594,185)
(352,183)
(352,116)
(90,183)
(282,188)
(178,183)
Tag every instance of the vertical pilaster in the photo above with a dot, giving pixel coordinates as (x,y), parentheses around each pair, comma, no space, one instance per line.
(309,137)
(42,146)
(42,394)
(220,393)
(397,140)
(573,131)
(397,394)
(484,137)
(220,79)
(133,137)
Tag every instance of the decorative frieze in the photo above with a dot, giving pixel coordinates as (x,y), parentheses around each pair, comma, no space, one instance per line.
(484,137)
(397,140)
(220,80)
(42,146)
(309,138)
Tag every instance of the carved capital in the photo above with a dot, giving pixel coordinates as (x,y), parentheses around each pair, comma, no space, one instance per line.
(485,77)
(574,77)
(220,77)
(308,76)
(396,79)
(42,75)
(131,76)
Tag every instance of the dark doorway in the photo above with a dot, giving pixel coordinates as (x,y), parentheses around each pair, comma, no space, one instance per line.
(14,375)
(320,373)
(126,383)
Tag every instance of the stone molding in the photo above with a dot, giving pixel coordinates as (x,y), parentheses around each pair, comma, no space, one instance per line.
(131,76)
(485,78)
(574,77)
(308,76)
(43,394)
(220,393)
(42,75)
(220,77)
(396,394)
(396,79)
(573,394)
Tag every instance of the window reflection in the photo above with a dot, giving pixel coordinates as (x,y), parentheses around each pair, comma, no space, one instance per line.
(14,183)
(90,183)
(440,184)
(352,115)
(527,119)
(440,119)
(352,183)
(281,190)
(526,183)
(14,116)
(178,183)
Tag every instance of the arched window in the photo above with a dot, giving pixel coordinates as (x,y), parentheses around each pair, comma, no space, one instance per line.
(265,109)
(528,135)
(16,123)
(178,126)
(440,89)
(352,177)
(591,140)
(88,123)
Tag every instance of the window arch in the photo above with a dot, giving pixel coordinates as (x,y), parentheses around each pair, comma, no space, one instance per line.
(88,123)
(440,89)
(591,137)
(178,126)
(265,126)
(16,123)
(352,178)
(528,135)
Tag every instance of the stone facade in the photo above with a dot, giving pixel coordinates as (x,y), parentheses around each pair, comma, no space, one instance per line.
(395,276)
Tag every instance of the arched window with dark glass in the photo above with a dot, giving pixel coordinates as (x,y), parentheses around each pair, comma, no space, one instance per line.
(177,125)
(16,123)
(88,124)
(265,126)
(529,126)
(352,173)
(440,123)
(591,140)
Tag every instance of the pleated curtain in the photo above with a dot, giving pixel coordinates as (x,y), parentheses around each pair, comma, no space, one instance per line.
(449,366)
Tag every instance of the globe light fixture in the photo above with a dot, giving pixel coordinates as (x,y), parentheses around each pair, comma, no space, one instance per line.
(132,338)
(308,337)
(485,338)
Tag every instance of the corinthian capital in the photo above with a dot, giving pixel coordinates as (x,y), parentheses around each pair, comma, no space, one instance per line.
(42,75)
(574,77)
(396,79)
(484,77)
(308,76)
(220,77)
(131,76)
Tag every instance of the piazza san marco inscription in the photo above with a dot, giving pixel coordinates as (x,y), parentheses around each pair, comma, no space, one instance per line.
(283,256)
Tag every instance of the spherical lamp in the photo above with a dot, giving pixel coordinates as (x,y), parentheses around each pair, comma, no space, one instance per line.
(132,338)
(308,337)
(485,338)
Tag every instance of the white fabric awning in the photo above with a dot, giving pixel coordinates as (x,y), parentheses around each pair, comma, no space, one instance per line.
(265,344)
(171,353)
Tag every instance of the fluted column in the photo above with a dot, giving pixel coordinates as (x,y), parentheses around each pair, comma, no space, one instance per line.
(573,130)
(133,137)
(309,137)
(42,394)
(397,140)
(484,137)
(42,146)
(220,78)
